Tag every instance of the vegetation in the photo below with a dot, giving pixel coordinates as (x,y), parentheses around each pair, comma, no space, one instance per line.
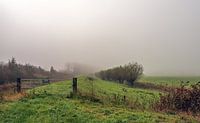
(109,92)
(174,81)
(182,99)
(11,70)
(75,68)
(50,104)
(129,73)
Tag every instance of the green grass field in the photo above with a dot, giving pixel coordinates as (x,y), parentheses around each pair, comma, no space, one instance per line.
(170,81)
(49,104)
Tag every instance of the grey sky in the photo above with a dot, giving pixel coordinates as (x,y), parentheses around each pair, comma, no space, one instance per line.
(163,35)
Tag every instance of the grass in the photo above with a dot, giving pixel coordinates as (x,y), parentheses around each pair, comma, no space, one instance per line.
(49,104)
(170,81)
(107,89)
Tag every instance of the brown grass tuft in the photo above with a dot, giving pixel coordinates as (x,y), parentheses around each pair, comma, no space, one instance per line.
(14,97)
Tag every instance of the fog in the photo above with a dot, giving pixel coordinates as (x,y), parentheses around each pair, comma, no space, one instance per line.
(162,35)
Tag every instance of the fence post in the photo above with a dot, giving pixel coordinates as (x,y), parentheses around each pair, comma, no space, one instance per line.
(18,85)
(74,85)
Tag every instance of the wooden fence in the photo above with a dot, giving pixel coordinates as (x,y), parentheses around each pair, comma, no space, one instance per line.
(24,84)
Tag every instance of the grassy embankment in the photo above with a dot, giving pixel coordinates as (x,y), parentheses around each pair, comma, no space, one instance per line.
(50,104)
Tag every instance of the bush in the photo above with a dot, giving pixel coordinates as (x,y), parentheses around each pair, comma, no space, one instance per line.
(182,99)
(129,73)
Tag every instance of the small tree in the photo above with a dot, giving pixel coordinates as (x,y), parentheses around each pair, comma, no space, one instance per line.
(52,70)
(133,72)
(13,69)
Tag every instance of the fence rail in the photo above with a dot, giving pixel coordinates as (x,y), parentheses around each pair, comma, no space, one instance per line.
(24,84)
(42,79)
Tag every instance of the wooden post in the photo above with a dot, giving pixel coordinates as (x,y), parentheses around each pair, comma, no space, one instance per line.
(74,85)
(124,98)
(18,85)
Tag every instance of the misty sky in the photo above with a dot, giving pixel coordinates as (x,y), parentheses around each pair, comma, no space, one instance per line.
(163,35)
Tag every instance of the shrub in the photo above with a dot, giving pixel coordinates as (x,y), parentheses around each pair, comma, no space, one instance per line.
(182,99)
(129,73)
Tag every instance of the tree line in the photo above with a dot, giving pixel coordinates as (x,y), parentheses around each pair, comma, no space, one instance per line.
(126,73)
(11,70)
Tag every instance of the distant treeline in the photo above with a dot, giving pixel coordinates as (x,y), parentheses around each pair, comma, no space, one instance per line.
(127,73)
(11,70)
(79,68)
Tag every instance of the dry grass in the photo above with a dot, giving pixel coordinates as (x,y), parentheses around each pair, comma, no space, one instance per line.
(7,86)
(14,97)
